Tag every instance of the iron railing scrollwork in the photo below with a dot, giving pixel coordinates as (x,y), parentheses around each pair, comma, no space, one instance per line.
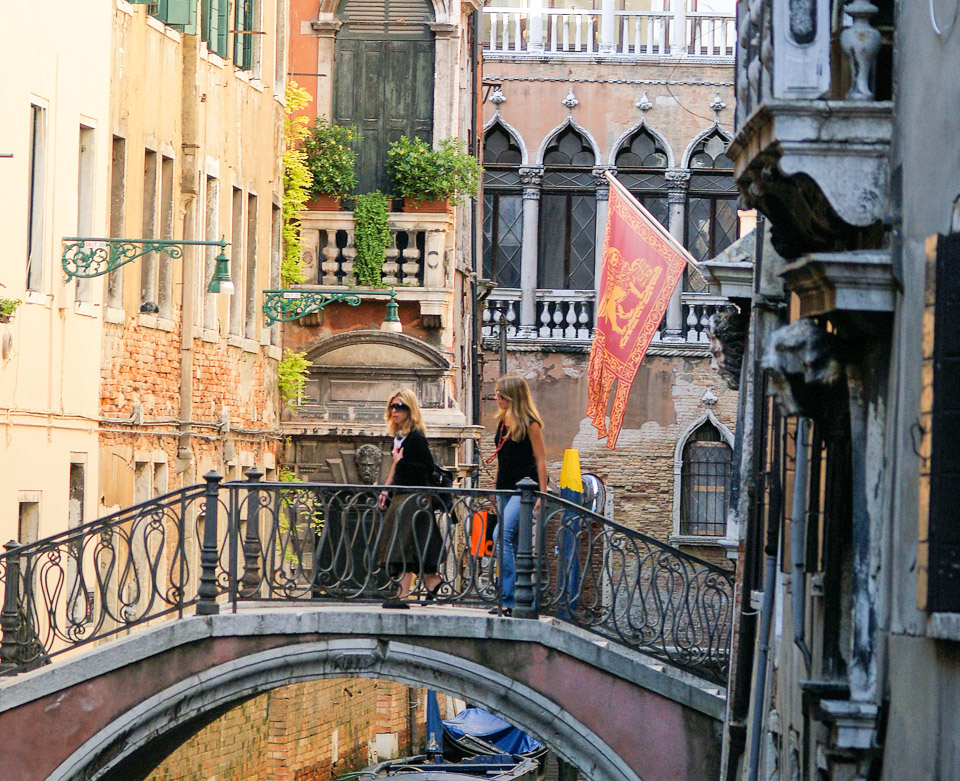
(225,545)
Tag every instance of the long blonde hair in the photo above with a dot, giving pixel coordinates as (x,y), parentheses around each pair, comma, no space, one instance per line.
(414,419)
(520,410)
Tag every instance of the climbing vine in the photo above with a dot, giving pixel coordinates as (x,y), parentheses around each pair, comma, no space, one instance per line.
(296,182)
(372,238)
(292,371)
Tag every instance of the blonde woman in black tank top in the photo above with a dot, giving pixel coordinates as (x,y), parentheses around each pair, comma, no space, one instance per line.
(520,453)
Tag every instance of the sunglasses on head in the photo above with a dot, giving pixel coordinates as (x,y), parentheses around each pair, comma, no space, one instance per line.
(399,406)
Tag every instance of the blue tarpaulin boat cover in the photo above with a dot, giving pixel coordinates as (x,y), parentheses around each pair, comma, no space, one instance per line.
(493,729)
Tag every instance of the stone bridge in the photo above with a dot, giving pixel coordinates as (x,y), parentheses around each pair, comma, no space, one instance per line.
(113,711)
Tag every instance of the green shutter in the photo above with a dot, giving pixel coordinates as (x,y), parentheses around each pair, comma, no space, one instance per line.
(223,27)
(175,12)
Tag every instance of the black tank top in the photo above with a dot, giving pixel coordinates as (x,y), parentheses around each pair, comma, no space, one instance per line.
(515,460)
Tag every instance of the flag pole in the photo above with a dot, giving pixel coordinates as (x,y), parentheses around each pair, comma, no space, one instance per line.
(654,222)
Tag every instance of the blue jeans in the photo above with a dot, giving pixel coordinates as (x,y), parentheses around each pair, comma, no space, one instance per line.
(510,520)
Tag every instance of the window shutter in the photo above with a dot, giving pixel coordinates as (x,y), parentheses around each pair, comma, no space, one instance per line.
(939,541)
(223,25)
(176,13)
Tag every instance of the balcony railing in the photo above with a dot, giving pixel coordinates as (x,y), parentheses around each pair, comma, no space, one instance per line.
(569,315)
(414,258)
(523,32)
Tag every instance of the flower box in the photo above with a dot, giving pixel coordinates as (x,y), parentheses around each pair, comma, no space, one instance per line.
(426,207)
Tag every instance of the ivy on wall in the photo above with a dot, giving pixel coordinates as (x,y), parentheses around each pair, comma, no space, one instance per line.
(371,239)
(296,182)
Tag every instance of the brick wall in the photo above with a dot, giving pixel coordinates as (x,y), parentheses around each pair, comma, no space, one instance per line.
(302,732)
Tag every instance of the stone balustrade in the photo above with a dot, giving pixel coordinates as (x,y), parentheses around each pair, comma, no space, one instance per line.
(535,32)
(569,316)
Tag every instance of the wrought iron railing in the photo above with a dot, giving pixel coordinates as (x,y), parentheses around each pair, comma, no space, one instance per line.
(219,545)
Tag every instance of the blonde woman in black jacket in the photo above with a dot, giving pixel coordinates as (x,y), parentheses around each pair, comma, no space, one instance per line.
(410,543)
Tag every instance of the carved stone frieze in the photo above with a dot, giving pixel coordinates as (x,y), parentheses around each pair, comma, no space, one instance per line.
(531,176)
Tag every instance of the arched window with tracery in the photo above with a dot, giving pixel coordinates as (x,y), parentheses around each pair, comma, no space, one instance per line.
(712,223)
(704,482)
(641,165)
(502,208)
(568,214)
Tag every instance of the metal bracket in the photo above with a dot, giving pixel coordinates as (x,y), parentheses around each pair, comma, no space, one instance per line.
(281,306)
(87,257)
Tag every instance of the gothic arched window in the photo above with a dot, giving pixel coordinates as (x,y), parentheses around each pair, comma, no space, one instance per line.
(712,223)
(568,214)
(502,208)
(641,166)
(704,482)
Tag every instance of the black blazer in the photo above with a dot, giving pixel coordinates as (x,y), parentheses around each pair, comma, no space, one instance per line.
(416,466)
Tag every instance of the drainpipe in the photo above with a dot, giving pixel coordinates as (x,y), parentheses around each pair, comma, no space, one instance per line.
(413,700)
(766,612)
(189,188)
(798,539)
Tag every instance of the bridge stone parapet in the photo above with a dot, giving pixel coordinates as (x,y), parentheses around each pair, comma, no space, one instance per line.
(109,712)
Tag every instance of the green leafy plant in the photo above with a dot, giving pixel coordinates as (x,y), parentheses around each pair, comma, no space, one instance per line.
(296,182)
(331,158)
(371,238)
(292,371)
(422,173)
(8,306)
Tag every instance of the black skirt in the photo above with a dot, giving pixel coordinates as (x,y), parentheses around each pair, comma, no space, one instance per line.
(411,539)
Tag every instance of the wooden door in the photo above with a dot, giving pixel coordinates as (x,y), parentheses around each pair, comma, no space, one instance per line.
(383,80)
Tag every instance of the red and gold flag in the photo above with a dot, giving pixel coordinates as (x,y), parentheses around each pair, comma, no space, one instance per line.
(642,265)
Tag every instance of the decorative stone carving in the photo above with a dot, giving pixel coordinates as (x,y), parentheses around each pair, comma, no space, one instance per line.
(716,106)
(644,104)
(818,169)
(368,459)
(570,101)
(728,340)
(861,42)
(498,98)
(678,180)
(804,369)
(532,176)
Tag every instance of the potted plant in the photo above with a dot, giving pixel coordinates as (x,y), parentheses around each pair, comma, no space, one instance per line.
(8,307)
(428,178)
(330,160)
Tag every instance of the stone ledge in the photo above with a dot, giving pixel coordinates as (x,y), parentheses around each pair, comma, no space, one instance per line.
(855,281)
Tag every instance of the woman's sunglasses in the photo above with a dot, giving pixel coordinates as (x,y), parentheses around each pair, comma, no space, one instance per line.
(399,406)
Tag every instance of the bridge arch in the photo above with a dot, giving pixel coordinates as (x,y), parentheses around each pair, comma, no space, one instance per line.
(600,708)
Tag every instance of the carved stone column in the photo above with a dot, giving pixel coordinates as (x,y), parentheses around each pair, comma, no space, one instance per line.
(603,206)
(326,31)
(531,178)
(678,180)
(446,72)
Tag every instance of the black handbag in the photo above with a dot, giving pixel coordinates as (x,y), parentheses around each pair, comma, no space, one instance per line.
(441,477)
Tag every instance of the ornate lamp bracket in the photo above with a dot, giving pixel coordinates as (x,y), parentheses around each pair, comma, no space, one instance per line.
(283,306)
(85,258)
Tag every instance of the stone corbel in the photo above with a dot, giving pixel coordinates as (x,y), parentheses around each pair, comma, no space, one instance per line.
(804,369)
(325,28)
(728,340)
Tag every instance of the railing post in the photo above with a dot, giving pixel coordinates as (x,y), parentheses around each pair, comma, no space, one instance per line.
(525,595)
(251,539)
(535,29)
(207,593)
(608,22)
(10,616)
(678,35)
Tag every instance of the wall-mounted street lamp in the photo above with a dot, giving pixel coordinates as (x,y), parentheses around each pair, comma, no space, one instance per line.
(85,258)
(281,306)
